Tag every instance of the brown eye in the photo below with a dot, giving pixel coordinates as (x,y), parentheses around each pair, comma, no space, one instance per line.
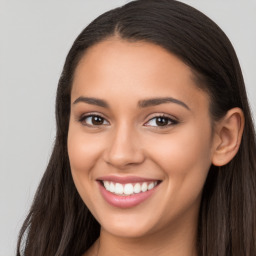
(93,120)
(161,121)
(97,120)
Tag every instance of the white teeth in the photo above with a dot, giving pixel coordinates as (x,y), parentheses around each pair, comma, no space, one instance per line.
(150,185)
(136,188)
(129,188)
(144,187)
(106,185)
(112,187)
(119,189)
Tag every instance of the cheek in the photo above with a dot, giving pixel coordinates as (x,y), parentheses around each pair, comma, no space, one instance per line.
(188,154)
(83,150)
(83,153)
(185,157)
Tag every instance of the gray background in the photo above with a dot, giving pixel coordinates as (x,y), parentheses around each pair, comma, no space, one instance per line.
(35,37)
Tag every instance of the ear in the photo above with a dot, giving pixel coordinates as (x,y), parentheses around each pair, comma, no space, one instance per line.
(227,136)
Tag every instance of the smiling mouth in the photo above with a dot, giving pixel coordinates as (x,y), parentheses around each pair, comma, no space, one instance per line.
(128,189)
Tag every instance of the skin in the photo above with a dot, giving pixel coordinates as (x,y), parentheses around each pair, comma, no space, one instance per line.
(129,142)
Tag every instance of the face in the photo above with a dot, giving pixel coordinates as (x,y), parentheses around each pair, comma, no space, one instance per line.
(140,138)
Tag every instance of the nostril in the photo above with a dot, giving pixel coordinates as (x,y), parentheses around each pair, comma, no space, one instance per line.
(124,158)
(123,151)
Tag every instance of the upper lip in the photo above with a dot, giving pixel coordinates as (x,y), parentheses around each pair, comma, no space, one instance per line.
(125,179)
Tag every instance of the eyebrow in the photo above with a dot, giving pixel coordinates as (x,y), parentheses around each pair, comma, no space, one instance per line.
(142,103)
(158,101)
(92,101)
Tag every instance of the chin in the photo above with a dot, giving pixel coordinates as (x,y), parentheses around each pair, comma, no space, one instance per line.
(130,231)
(128,226)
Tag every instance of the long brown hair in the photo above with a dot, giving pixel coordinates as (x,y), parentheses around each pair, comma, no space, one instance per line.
(59,223)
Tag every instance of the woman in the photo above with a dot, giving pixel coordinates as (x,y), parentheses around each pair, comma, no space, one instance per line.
(155,145)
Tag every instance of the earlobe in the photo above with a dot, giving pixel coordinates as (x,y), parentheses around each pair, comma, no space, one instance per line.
(228,135)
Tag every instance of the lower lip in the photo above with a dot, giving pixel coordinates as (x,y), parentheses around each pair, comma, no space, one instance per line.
(125,201)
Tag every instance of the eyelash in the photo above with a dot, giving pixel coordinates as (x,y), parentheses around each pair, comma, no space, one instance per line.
(170,121)
(82,120)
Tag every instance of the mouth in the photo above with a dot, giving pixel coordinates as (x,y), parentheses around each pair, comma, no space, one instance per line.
(126,192)
(128,189)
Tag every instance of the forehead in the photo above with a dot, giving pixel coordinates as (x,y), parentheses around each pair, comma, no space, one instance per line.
(141,69)
(114,54)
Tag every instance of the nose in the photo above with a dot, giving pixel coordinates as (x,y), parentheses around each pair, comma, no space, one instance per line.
(124,148)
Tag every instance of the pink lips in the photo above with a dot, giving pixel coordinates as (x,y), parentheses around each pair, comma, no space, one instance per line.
(124,201)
